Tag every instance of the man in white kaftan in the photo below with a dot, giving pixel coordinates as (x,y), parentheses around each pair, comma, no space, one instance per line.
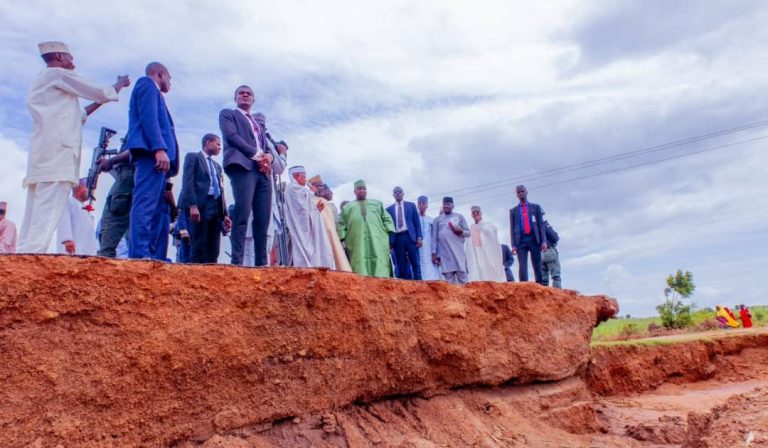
(53,160)
(485,260)
(76,234)
(308,244)
(429,270)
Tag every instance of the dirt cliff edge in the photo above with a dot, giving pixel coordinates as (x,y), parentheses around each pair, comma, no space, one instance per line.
(126,353)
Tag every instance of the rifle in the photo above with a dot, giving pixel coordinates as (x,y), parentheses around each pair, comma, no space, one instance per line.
(99,152)
(282,241)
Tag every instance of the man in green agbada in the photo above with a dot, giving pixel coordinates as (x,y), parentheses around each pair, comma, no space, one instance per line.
(365,227)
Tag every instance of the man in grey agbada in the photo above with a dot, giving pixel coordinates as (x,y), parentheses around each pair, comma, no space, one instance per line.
(448,234)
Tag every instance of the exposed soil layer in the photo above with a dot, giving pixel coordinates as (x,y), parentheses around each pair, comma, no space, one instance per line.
(720,411)
(705,393)
(558,414)
(101,352)
(635,368)
(741,421)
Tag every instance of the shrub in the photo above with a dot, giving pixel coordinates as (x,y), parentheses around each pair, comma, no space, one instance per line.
(673,312)
(630,331)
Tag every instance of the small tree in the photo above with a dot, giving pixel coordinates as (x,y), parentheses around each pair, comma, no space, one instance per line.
(674,313)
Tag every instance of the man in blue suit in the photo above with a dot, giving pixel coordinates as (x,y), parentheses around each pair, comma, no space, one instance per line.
(151,138)
(406,240)
(526,222)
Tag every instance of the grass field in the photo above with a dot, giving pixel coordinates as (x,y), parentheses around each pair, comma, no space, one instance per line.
(612,329)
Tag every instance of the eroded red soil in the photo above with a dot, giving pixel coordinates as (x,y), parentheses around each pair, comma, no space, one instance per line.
(127,353)
(103,353)
(706,393)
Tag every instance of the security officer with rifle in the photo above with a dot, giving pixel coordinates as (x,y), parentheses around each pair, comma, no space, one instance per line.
(115,219)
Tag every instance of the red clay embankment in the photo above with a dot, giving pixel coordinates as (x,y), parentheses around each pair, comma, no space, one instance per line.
(100,352)
(627,369)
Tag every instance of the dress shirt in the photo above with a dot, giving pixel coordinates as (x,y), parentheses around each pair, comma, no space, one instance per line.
(400,211)
(256,130)
(214,189)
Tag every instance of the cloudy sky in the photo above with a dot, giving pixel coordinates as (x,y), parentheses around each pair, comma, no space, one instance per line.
(578,100)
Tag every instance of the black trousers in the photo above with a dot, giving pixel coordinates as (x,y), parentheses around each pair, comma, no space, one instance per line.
(116,217)
(528,245)
(205,236)
(253,193)
(407,254)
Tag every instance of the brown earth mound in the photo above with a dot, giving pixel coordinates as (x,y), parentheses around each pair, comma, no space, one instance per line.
(100,352)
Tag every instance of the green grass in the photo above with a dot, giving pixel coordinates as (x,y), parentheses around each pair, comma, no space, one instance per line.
(642,342)
(610,330)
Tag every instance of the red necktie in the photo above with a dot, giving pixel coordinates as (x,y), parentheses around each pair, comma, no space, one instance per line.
(526,221)
(255,127)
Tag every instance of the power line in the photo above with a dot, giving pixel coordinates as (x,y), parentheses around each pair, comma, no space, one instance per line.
(600,161)
(626,168)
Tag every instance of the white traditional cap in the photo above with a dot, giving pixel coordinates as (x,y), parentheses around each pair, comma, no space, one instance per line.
(296,169)
(52,47)
(475,208)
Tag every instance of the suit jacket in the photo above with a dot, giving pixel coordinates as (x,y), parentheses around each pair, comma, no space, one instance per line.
(196,179)
(411,220)
(536,218)
(239,139)
(150,126)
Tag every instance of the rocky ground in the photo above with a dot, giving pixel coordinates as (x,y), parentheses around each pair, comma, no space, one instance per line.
(108,353)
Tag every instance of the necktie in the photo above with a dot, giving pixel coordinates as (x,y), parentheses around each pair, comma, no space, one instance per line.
(256,130)
(400,223)
(526,220)
(214,179)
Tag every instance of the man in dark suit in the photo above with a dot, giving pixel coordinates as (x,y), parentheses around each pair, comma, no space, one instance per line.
(406,240)
(249,162)
(202,200)
(151,138)
(528,234)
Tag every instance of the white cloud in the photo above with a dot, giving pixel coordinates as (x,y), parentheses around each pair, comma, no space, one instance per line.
(441,96)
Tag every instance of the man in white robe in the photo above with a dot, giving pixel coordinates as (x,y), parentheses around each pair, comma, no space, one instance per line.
(330,217)
(76,234)
(485,259)
(53,160)
(309,246)
(429,270)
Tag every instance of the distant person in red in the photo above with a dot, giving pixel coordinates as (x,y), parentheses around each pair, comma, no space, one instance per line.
(746,317)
